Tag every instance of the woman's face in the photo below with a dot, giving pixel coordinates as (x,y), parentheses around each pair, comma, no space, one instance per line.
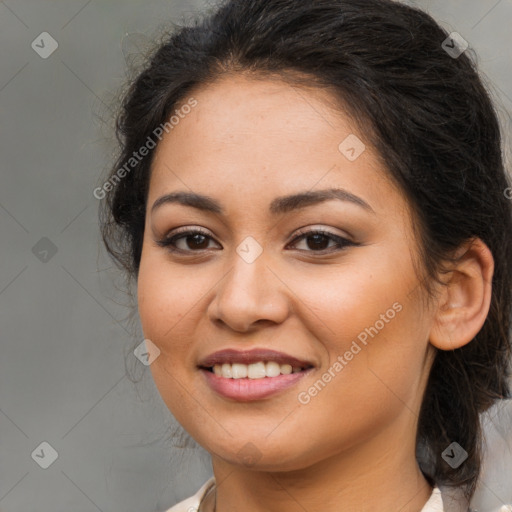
(277,166)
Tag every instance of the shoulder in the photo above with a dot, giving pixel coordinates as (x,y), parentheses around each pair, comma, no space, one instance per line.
(192,504)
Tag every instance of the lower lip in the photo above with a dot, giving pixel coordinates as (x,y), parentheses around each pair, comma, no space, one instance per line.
(246,390)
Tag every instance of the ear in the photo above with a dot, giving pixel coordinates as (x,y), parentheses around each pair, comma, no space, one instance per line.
(465,297)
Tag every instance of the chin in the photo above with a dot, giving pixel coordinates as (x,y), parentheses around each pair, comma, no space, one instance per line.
(256,455)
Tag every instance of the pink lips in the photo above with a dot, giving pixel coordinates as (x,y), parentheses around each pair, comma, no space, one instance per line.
(245,390)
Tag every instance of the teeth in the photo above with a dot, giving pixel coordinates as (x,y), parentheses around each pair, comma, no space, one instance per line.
(272,369)
(258,370)
(238,371)
(226,371)
(286,369)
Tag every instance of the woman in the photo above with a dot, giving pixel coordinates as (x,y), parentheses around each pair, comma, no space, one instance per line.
(312,200)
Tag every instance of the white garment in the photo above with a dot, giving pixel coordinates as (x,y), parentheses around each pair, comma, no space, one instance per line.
(434,504)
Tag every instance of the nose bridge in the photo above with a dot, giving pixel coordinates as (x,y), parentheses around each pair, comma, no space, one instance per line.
(249,292)
(247,278)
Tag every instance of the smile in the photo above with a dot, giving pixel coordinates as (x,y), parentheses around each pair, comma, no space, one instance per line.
(259,370)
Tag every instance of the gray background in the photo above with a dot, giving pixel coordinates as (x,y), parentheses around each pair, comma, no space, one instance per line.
(66,334)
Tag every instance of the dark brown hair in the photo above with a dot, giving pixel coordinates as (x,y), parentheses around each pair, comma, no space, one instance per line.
(432,122)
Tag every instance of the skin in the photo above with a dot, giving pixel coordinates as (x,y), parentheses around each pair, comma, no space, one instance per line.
(352,447)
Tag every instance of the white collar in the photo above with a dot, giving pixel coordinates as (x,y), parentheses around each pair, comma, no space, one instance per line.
(434,503)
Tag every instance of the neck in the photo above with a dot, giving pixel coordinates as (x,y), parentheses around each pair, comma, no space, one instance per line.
(374,476)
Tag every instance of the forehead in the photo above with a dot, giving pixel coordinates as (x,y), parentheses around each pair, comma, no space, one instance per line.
(244,106)
(265,137)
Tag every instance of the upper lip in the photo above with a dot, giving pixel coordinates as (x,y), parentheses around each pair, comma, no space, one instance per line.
(256,355)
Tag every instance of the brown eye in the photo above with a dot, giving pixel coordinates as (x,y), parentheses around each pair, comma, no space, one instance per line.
(196,241)
(186,241)
(318,241)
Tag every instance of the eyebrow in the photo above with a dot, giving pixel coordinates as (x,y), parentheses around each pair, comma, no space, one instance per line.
(282,204)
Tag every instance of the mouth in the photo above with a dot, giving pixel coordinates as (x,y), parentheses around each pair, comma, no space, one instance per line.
(252,364)
(258,370)
(252,375)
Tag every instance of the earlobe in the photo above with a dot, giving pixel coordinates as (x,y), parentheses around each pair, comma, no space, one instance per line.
(465,299)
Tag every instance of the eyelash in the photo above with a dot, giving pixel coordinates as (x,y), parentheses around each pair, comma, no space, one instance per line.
(341,243)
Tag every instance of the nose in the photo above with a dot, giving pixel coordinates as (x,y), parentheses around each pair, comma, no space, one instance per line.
(249,295)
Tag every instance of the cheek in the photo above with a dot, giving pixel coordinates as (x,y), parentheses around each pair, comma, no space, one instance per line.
(168,300)
(165,304)
(375,333)
(171,312)
(162,305)
(353,301)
